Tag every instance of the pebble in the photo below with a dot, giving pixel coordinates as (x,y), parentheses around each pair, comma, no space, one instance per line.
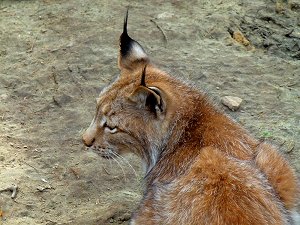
(3,96)
(165,15)
(239,37)
(290,146)
(232,102)
(43,188)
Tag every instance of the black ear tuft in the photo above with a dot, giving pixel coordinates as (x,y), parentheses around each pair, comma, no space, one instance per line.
(131,52)
(125,40)
(125,22)
(143,79)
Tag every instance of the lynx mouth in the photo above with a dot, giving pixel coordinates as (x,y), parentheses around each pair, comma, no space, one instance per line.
(103,152)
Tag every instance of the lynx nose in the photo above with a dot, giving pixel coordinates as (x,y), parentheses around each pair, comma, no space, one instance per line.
(88,139)
(89,136)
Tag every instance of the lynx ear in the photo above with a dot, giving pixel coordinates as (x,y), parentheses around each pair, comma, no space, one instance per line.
(148,99)
(131,52)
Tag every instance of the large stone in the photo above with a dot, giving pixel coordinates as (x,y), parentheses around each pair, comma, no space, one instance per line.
(232,102)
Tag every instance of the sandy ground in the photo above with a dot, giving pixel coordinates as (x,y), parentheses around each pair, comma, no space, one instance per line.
(56,55)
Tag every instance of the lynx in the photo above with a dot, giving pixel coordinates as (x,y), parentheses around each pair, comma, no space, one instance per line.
(200,166)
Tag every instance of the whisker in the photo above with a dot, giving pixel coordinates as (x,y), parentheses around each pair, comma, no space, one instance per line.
(110,164)
(127,162)
(116,155)
(120,167)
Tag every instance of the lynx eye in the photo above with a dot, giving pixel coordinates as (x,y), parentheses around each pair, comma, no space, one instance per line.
(110,129)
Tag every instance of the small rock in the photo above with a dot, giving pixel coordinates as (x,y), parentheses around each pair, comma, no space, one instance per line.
(41,189)
(3,96)
(44,180)
(232,102)
(290,146)
(240,38)
(165,15)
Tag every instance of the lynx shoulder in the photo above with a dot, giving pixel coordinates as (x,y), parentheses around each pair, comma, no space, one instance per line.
(200,166)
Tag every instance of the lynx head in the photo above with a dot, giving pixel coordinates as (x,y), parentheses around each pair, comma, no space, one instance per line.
(132,111)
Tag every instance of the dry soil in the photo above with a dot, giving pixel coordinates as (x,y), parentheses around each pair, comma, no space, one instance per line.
(56,55)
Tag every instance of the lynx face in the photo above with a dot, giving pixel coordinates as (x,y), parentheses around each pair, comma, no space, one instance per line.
(130,116)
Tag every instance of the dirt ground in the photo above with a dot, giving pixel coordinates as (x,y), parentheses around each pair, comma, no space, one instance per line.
(56,55)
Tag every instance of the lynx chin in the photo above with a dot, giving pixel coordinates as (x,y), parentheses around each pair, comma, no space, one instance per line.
(200,166)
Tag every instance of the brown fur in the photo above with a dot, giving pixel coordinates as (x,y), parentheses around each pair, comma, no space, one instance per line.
(201,167)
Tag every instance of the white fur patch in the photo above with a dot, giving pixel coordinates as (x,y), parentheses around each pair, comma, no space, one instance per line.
(154,88)
(103,121)
(137,51)
(132,222)
(112,131)
(295,217)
